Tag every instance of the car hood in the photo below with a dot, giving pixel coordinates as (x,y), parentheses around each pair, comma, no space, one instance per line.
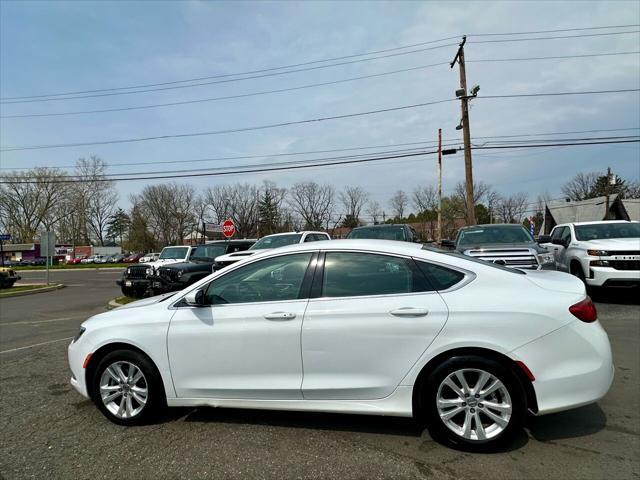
(159,263)
(235,256)
(556,281)
(499,246)
(191,266)
(614,244)
(146,301)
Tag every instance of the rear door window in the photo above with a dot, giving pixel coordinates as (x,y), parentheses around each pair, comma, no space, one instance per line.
(353,274)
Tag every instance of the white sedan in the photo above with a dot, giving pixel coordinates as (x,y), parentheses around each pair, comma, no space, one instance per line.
(354,326)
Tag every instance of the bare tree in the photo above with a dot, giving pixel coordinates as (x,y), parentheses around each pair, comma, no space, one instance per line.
(353,199)
(100,208)
(168,210)
(239,202)
(425,198)
(30,200)
(633,190)
(313,203)
(511,209)
(580,186)
(374,211)
(399,203)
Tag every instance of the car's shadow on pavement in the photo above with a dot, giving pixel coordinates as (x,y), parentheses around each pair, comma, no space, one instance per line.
(579,422)
(624,296)
(574,423)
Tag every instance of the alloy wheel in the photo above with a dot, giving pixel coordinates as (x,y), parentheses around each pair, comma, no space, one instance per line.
(124,389)
(474,404)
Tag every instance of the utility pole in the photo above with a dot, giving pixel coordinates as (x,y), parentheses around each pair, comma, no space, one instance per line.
(439,185)
(464,102)
(607,190)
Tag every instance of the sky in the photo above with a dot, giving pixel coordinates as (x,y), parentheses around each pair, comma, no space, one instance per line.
(53,47)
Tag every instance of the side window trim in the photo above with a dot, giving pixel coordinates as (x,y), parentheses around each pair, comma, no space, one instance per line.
(318,280)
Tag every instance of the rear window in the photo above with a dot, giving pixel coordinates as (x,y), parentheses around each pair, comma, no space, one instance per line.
(378,233)
(471,259)
(441,278)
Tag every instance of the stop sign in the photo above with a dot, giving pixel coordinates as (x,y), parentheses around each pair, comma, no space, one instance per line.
(228,228)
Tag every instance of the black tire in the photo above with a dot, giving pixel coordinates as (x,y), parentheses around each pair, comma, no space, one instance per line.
(576,270)
(439,430)
(155,400)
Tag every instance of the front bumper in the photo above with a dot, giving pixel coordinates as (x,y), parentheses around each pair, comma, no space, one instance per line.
(607,276)
(134,283)
(162,285)
(76,355)
(572,366)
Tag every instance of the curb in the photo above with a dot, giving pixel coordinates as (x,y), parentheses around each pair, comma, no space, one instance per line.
(113,304)
(88,269)
(33,292)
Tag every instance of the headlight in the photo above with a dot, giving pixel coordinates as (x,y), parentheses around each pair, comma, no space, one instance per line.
(149,271)
(180,272)
(128,271)
(598,253)
(79,334)
(545,258)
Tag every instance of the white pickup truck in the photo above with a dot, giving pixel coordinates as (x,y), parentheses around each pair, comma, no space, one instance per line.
(602,254)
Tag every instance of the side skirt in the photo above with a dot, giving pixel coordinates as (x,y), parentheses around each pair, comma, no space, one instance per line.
(398,404)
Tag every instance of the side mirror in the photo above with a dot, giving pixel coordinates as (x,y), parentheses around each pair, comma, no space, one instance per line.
(544,238)
(446,243)
(195,298)
(559,241)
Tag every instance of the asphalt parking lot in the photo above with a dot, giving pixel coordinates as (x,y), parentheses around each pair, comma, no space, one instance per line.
(49,431)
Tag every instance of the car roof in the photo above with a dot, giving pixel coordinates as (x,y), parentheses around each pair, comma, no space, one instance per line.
(484,225)
(382,225)
(597,222)
(301,232)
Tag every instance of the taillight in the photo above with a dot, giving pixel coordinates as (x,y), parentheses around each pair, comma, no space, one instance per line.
(584,310)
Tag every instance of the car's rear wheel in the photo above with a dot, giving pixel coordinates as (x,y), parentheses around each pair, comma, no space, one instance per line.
(127,388)
(472,401)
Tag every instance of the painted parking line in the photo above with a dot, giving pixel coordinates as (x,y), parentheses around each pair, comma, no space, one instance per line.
(35,345)
(36,322)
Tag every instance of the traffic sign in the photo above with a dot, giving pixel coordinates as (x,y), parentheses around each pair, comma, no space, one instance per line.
(47,244)
(228,228)
(5,237)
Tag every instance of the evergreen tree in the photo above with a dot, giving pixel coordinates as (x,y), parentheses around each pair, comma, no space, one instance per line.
(118,225)
(268,214)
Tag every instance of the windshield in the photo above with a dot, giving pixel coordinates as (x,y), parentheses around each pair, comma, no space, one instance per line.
(472,259)
(380,233)
(495,234)
(275,241)
(208,251)
(173,253)
(599,231)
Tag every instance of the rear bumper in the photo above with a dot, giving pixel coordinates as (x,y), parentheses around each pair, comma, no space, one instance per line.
(610,277)
(572,366)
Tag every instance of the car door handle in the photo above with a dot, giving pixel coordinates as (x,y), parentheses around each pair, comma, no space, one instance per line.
(409,312)
(280,316)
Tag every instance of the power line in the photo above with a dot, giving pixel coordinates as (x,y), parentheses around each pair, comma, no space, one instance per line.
(554,37)
(234,130)
(315,62)
(346,149)
(554,57)
(227,97)
(301,87)
(555,94)
(297,122)
(552,31)
(298,165)
(306,69)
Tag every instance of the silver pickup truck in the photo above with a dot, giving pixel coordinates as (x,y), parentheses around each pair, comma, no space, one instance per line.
(510,245)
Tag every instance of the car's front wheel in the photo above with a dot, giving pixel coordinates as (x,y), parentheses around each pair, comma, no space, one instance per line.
(472,401)
(127,388)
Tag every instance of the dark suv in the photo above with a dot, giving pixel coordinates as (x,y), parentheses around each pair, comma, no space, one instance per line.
(177,276)
(510,245)
(386,231)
